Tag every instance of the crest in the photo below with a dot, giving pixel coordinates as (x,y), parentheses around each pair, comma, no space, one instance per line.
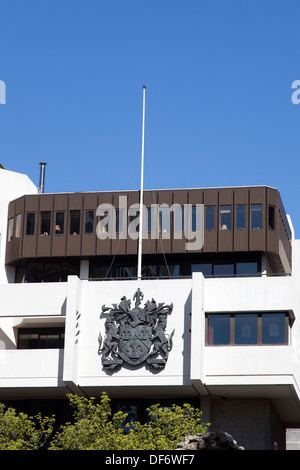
(136,335)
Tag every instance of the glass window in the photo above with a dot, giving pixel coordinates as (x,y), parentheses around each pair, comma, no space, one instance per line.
(59,223)
(51,272)
(223,269)
(209,218)
(245,328)
(164,219)
(247,268)
(74,222)
(225,217)
(179,219)
(89,221)
(30,223)
(10,229)
(18,226)
(149,270)
(219,329)
(271,217)
(256,216)
(34,272)
(195,225)
(273,328)
(41,338)
(45,223)
(205,268)
(240,217)
(169,271)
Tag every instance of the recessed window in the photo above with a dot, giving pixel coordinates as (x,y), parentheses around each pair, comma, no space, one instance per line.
(164,219)
(256,216)
(269,328)
(204,268)
(30,223)
(195,219)
(41,338)
(225,217)
(74,222)
(179,219)
(18,226)
(10,229)
(271,217)
(59,223)
(240,217)
(89,221)
(45,223)
(209,218)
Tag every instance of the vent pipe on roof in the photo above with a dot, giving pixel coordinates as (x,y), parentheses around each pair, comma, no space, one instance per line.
(42,177)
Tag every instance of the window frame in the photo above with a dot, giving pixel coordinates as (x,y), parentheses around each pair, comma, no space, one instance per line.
(288,321)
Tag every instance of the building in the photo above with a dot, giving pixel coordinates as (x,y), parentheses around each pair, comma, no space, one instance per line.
(214,320)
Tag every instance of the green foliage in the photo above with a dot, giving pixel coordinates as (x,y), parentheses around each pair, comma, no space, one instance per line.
(21,432)
(95,429)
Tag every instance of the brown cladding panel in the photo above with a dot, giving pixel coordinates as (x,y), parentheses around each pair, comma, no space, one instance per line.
(241,235)
(164,241)
(149,243)
(89,240)
(226,235)
(59,240)
(257,237)
(10,243)
(103,246)
(73,237)
(272,234)
(44,240)
(180,198)
(211,199)
(132,244)
(29,249)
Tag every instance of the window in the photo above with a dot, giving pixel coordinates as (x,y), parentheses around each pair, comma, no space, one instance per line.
(59,223)
(74,222)
(240,217)
(271,217)
(209,218)
(204,268)
(225,217)
(41,338)
(247,329)
(30,223)
(246,268)
(164,219)
(89,221)
(256,216)
(10,229)
(195,224)
(45,223)
(179,219)
(18,226)
(223,269)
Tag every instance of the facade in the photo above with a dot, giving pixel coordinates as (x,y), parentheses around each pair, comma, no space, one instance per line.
(214,323)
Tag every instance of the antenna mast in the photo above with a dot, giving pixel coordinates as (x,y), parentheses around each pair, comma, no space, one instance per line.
(141,194)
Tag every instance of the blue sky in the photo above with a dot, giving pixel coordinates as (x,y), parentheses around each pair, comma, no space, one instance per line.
(218,97)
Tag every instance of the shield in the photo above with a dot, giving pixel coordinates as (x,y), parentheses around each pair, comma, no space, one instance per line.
(135,343)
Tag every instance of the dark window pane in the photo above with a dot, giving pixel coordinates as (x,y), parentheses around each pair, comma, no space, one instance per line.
(256,216)
(246,268)
(209,218)
(223,269)
(89,221)
(75,222)
(273,328)
(69,268)
(167,271)
(205,268)
(240,217)
(149,270)
(219,329)
(41,338)
(59,223)
(51,272)
(225,217)
(34,272)
(30,223)
(195,219)
(246,329)
(271,217)
(45,222)
(126,272)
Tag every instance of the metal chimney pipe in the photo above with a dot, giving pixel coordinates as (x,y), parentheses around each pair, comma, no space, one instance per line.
(42,177)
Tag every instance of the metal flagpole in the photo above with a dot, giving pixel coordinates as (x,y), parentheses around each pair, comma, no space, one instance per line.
(139,273)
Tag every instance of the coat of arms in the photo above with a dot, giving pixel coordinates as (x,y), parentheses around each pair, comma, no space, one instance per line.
(136,335)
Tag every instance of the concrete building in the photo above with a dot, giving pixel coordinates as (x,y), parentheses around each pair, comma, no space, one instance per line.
(213,321)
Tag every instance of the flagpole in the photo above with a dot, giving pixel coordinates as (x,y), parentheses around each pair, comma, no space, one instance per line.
(139,273)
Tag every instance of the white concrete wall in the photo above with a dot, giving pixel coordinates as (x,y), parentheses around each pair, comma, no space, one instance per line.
(12,186)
